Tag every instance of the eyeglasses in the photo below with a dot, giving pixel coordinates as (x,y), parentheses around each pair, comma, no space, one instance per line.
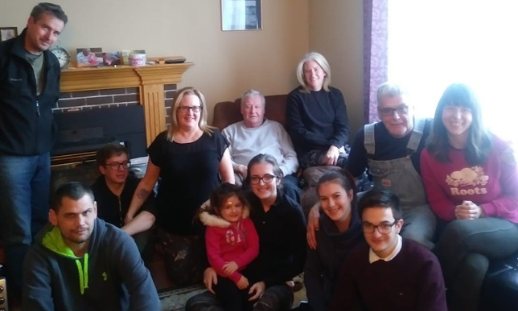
(389,112)
(383,228)
(118,165)
(185,109)
(266,179)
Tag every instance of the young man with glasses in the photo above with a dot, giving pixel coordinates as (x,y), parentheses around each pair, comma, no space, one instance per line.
(113,191)
(391,272)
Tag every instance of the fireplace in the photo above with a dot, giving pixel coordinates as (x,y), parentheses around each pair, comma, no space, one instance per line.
(82,132)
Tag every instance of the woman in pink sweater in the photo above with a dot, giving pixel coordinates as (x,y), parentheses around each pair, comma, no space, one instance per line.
(232,243)
(471,181)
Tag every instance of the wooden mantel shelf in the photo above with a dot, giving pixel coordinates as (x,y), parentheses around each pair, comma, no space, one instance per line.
(102,78)
(149,79)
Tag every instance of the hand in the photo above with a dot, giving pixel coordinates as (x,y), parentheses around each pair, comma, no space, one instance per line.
(242,283)
(128,218)
(313,226)
(257,290)
(468,210)
(230,267)
(331,156)
(241,170)
(210,277)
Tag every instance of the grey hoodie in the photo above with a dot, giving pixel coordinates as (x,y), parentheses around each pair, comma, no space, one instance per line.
(110,276)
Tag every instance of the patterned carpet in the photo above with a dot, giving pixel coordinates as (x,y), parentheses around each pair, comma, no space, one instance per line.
(175,299)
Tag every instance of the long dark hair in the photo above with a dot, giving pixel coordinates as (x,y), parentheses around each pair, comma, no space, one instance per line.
(478,145)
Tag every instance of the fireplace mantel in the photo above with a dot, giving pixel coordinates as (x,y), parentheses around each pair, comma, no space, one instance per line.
(149,79)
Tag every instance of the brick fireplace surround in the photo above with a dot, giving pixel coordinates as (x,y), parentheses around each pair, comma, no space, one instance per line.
(151,86)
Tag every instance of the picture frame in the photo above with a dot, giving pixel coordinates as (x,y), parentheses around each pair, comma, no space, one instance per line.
(7,33)
(89,57)
(241,15)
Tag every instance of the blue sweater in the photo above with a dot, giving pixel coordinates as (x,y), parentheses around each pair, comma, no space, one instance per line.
(110,276)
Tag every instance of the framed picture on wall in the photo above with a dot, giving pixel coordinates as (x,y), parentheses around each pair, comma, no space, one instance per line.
(241,15)
(7,33)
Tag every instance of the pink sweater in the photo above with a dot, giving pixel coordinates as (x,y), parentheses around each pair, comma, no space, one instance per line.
(493,185)
(238,243)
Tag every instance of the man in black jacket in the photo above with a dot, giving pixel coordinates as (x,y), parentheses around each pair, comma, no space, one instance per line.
(29,89)
(113,192)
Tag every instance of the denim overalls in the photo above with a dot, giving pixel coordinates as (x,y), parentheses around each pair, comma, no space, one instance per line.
(400,177)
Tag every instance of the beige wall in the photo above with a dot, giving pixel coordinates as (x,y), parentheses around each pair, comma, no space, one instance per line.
(226,63)
(336,31)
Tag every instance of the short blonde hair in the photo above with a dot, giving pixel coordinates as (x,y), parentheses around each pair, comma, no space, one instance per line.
(322,62)
(202,123)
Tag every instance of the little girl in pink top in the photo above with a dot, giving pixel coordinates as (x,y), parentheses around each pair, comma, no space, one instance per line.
(232,243)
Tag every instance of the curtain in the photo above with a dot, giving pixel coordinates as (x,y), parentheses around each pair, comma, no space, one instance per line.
(375,42)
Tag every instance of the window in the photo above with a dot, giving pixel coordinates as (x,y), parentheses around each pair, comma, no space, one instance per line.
(432,44)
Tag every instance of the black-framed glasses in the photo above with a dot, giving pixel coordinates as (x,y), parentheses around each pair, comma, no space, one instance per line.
(118,165)
(266,179)
(389,112)
(185,109)
(383,228)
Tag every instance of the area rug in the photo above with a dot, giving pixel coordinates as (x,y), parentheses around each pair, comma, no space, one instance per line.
(174,300)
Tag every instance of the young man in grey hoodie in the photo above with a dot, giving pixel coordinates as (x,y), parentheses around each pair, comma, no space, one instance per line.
(80,262)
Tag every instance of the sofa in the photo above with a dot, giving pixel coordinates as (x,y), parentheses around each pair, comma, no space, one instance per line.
(228,112)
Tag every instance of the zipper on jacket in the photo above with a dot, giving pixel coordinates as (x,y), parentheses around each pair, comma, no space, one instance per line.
(38,108)
(120,212)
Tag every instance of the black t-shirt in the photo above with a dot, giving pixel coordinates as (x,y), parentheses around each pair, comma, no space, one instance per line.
(112,208)
(387,147)
(188,172)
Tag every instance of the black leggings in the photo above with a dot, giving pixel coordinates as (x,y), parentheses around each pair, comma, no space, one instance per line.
(232,298)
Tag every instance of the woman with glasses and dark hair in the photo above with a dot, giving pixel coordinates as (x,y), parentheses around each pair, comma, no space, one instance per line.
(391,272)
(316,115)
(281,228)
(471,180)
(191,160)
(340,231)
